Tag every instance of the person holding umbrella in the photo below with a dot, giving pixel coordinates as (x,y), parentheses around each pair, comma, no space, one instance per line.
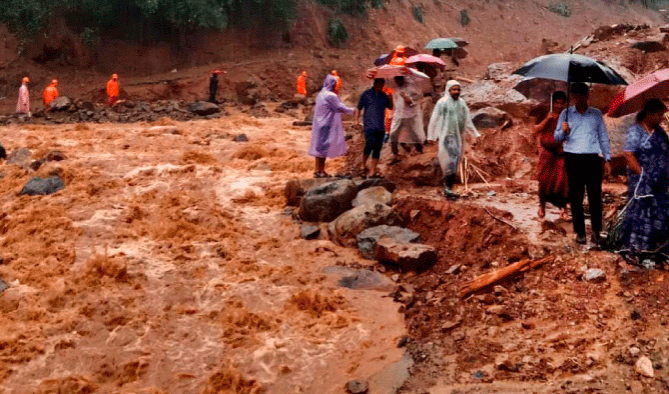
(327,132)
(583,132)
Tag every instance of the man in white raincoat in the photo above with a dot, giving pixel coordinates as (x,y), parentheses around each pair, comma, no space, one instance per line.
(450,119)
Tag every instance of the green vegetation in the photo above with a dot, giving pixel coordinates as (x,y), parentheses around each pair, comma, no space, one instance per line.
(352,7)
(464,18)
(562,9)
(143,19)
(418,13)
(337,34)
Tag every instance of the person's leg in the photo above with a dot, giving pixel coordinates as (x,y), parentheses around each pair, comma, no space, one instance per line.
(574,165)
(367,151)
(542,209)
(449,182)
(376,151)
(320,166)
(593,183)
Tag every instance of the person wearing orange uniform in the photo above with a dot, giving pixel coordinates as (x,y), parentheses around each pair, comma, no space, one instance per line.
(113,89)
(399,57)
(302,83)
(337,87)
(50,93)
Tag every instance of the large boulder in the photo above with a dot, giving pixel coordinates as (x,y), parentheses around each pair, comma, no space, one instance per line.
(345,229)
(490,118)
(372,182)
(373,195)
(62,103)
(652,44)
(42,186)
(538,88)
(498,71)
(20,157)
(296,188)
(204,108)
(407,256)
(326,202)
(489,94)
(368,239)
(420,170)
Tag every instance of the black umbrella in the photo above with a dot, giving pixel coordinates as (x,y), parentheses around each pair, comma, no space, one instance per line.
(569,67)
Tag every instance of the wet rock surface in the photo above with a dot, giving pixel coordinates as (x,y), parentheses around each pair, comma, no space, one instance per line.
(368,238)
(345,228)
(42,186)
(325,203)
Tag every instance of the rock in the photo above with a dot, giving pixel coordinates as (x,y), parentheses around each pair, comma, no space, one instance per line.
(408,257)
(165,130)
(634,351)
(3,152)
(345,229)
(85,105)
(204,108)
(421,170)
(298,123)
(60,104)
(595,275)
(55,155)
(664,29)
(652,44)
(241,138)
(3,286)
(20,157)
(357,387)
(309,231)
(365,279)
(373,195)
(549,46)
(372,182)
(453,269)
(368,238)
(644,366)
(498,71)
(489,94)
(326,202)
(490,118)
(296,188)
(42,186)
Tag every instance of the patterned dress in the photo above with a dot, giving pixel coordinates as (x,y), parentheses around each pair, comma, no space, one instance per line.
(552,176)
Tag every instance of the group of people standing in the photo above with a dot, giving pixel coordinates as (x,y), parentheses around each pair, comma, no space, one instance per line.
(51,93)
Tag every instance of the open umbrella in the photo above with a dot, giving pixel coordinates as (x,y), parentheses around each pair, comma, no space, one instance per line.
(427,59)
(441,44)
(381,59)
(570,67)
(408,52)
(412,76)
(634,96)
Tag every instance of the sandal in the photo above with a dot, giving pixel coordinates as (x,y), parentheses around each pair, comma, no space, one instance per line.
(321,175)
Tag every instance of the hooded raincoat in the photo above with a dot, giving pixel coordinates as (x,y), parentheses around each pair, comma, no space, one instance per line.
(450,119)
(327,133)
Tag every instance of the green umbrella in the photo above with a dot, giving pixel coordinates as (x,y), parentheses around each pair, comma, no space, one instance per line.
(441,43)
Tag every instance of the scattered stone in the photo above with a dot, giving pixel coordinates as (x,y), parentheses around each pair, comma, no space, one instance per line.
(454,269)
(664,29)
(296,188)
(490,118)
(373,195)
(652,44)
(241,138)
(527,325)
(345,229)
(20,157)
(310,231)
(491,193)
(489,94)
(449,325)
(634,351)
(357,387)
(327,202)
(204,108)
(372,182)
(595,275)
(479,375)
(404,340)
(60,104)
(408,257)
(55,155)
(299,123)
(365,279)
(165,130)
(42,186)
(498,71)
(635,315)
(368,238)
(3,286)
(85,105)
(644,367)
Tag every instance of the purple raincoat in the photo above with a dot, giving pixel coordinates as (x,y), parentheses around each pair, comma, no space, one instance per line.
(327,133)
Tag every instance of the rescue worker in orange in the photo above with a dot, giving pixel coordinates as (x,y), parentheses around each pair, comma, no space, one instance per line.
(302,84)
(337,87)
(399,57)
(113,89)
(50,93)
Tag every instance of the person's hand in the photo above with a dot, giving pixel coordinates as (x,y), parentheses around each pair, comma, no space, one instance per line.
(357,125)
(553,116)
(565,128)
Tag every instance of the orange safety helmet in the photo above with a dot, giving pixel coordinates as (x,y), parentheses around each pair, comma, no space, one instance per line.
(114,76)
(304,73)
(54,82)
(334,72)
(400,49)
(26,80)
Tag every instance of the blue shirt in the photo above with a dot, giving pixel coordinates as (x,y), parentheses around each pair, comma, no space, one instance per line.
(588,132)
(374,104)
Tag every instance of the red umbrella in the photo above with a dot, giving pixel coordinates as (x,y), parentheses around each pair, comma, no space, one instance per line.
(635,95)
(427,59)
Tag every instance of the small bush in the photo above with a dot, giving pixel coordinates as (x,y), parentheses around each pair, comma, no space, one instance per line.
(560,9)
(377,3)
(418,14)
(337,34)
(464,18)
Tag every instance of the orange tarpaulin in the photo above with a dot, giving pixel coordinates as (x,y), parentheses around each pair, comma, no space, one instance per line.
(302,84)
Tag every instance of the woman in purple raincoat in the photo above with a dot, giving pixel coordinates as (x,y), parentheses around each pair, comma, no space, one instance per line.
(327,133)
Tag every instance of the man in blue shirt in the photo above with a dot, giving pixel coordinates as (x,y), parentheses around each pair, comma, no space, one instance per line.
(373,102)
(584,134)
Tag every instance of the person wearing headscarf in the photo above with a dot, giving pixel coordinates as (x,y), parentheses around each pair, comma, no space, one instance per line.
(302,83)
(23,104)
(450,119)
(50,93)
(113,90)
(327,133)
(337,88)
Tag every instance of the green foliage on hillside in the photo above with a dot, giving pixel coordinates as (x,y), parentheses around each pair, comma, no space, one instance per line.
(135,18)
(352,7)
(337,34)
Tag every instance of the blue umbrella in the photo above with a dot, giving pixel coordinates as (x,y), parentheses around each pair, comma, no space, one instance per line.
(381,60)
